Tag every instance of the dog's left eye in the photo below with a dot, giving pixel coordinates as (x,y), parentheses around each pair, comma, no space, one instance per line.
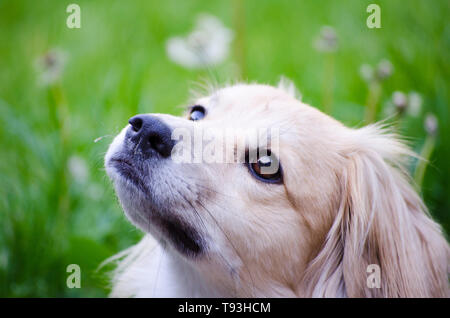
(266,168)
(197,112)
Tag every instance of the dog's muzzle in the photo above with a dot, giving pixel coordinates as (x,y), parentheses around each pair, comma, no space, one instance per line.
(142,159)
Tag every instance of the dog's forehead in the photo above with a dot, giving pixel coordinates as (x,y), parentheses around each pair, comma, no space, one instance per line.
(244,101)
(251,106)
(251,95)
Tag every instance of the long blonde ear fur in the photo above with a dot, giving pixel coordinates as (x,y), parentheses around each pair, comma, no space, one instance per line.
(381,220)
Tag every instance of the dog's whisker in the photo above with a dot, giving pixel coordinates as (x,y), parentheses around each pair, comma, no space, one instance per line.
(193,208)
(101,138)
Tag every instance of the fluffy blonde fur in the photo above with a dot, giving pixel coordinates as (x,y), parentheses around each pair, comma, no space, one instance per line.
(347,202)
(380,220)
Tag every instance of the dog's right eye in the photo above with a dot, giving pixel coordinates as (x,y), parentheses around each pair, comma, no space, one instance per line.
(197,112)
(265,168)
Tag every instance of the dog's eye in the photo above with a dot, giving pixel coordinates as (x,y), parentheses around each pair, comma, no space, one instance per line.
(197,112)
(266,168)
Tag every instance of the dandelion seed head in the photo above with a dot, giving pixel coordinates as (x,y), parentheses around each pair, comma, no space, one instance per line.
(367,73)
(208,44)
(414,104)
(410,103)
(384,70)
(78,168)
(431,124)
(50,66)
(400,101)
(327,41)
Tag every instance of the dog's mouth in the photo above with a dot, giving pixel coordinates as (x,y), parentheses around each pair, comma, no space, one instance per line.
(182,236)
(128,171)
(121,164)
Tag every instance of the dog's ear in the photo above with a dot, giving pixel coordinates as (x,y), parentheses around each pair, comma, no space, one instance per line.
(382,222)
(289,88)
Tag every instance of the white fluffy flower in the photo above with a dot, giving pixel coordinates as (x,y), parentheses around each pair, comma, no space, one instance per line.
(415,104)
(401,103)
(78,168)
(327,41)
(400,100)
(51,65)
(367,73)
(384,69)
(206,45)
(431,124)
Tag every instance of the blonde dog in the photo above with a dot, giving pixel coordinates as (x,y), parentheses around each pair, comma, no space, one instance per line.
(336,216)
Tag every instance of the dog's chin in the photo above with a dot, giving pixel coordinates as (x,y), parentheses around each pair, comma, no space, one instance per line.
(143,209)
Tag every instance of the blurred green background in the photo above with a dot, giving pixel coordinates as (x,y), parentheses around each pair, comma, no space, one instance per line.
(57,207)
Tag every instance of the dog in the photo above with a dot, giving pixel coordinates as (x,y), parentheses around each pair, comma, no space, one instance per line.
(336,217)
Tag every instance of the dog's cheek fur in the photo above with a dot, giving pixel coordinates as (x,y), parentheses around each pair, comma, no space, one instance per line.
(257,229)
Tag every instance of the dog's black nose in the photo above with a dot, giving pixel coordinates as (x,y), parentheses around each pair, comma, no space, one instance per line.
(149,133)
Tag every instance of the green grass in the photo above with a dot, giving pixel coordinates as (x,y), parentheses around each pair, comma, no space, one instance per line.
(117,67)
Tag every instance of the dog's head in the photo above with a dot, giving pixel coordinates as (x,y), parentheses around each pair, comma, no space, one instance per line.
(268,196)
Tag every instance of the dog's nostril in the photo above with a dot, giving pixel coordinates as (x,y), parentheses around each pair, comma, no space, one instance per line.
(154,140)
(156,143)
(136,123)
